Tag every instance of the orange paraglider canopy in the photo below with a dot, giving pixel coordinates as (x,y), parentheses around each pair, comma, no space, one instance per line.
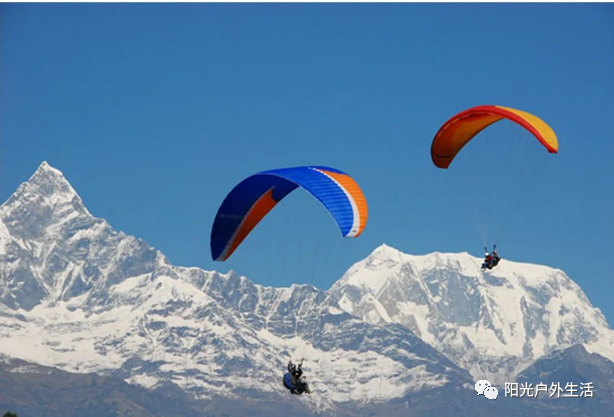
(460,129)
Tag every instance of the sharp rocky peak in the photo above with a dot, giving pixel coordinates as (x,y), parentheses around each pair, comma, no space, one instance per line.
(46,199)
(48,182)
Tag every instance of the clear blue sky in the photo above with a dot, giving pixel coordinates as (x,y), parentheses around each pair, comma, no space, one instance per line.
(154,112)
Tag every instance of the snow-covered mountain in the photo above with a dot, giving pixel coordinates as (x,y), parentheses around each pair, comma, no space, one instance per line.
(492,323)
(82,297)
(396,330)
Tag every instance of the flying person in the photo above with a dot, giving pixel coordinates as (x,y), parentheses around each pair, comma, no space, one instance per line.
(487,260)
(295,381)
(491,259)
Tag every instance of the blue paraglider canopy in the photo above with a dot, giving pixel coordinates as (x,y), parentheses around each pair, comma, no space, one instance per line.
(254,197)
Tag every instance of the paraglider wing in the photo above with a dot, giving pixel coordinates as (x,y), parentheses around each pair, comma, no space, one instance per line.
(463,127)
(255,197)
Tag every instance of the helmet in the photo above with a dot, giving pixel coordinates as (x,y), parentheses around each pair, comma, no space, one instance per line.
(486,254)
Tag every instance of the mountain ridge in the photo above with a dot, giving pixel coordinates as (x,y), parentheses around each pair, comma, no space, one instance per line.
(471,311)
(80,296)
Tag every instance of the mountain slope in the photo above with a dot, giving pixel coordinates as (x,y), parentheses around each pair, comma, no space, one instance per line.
(586,380)
(35,390)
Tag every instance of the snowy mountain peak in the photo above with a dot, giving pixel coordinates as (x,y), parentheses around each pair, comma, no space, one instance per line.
(46,198)
(49,181)
(53,250)
(384,262)
(512,314)
(385,250)
(45,167)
